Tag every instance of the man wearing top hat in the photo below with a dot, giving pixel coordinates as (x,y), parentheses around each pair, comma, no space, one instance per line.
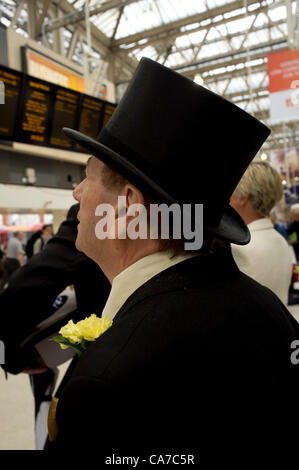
(198,356)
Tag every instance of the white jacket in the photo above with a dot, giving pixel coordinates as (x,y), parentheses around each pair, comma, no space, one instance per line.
(267,258)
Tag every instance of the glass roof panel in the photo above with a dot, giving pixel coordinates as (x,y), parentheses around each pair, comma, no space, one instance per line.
(196,36)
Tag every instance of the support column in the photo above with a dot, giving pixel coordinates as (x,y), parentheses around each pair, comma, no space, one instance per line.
(32,18)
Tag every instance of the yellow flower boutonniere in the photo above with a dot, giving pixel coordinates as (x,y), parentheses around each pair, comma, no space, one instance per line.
(81,334)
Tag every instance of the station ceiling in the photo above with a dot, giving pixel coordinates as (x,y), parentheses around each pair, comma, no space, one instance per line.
(221,44)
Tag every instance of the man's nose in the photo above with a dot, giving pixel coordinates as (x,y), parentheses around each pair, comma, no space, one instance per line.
(77,192)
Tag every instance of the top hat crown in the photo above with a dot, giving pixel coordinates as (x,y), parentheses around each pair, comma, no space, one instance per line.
(180,143)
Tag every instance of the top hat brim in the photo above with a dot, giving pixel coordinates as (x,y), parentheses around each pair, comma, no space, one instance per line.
(231,227)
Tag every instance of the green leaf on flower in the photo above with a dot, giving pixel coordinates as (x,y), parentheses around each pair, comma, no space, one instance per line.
(84,344)
(61,340)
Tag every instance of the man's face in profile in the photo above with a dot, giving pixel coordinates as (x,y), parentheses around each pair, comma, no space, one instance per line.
(90,193)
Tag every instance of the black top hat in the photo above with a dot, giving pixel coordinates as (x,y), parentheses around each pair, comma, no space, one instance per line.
(180,143)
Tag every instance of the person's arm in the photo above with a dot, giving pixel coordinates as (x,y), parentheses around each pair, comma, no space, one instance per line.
(20,253)
(21,258)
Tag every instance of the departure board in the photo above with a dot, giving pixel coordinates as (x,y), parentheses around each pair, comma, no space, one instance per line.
(11,83)
(35,111)
(109,110)
(66,105)
(91,116)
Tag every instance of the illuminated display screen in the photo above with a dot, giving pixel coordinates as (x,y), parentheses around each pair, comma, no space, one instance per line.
(66,106)
(35,111)
(109,110)
(91,116)
(11,82)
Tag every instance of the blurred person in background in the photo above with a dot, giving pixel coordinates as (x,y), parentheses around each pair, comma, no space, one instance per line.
(280,226)
(14,257)
(45,234)
(38,240)
(267,258)
(293,229)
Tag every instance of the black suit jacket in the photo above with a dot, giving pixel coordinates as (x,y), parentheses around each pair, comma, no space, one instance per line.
(196,358)
(33,289)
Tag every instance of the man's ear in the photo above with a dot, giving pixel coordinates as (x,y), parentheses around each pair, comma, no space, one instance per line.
(244,200)
(133,195)
(130,197)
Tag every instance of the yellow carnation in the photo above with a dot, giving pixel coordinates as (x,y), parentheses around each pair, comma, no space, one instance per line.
(71,332)
(92,327)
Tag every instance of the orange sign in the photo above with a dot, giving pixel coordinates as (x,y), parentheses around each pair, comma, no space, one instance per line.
(48,70)
(283,70)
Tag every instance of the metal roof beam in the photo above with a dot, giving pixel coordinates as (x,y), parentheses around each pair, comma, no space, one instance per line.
(231,58)
(243,96)
(72,45)
(15,18)
(175,26)
(233,74)
(178,33)
(79,15)
(45,6)
(100,42)
(121,10)
(234,35)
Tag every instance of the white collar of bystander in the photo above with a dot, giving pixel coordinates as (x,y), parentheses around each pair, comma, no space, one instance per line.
(260,224)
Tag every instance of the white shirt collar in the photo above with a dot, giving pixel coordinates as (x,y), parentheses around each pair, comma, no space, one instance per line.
(126,282)
(260,224)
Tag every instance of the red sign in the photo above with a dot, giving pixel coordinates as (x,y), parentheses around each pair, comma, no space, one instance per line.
(283,70)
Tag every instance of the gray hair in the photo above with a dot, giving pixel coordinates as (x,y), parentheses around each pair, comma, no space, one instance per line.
(263,183)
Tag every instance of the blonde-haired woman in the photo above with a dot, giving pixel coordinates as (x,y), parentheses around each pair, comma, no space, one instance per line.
(267,258)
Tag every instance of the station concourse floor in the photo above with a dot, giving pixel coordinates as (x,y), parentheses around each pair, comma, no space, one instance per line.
(17,407)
